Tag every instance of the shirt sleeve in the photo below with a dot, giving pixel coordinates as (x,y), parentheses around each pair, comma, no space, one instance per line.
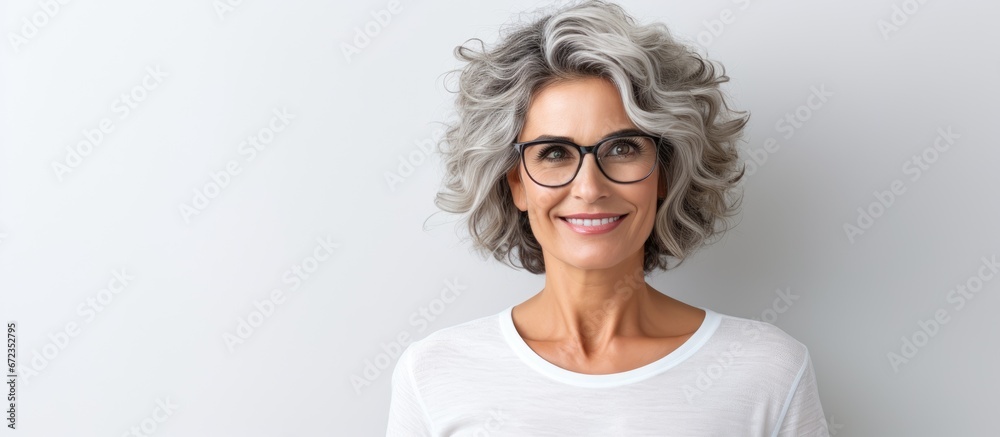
(407,412)
(803,413)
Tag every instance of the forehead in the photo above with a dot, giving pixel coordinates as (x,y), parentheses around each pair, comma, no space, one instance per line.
(585,110)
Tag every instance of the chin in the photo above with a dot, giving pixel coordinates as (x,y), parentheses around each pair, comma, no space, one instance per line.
(593,259)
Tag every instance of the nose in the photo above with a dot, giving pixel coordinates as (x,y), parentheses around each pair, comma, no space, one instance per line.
(590,184)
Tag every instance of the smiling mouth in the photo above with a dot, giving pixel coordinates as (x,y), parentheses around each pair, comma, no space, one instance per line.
(593,222)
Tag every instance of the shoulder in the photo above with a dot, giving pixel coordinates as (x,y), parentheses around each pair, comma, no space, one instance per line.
(454,345)
(762,345)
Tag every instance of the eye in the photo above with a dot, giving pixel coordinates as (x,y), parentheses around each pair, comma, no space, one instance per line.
(624,147)
(552,152)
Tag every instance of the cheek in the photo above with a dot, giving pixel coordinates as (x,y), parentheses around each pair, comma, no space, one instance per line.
(645,200)
(541,201)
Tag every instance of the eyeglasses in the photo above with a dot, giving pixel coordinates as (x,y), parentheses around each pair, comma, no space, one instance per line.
(624,158)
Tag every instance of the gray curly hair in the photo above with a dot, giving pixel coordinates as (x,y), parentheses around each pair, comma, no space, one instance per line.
(667,88)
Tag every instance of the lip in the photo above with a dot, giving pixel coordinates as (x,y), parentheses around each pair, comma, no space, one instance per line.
(593,230)
(591,215)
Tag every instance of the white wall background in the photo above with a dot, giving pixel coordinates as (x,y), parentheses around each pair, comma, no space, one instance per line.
(161,339)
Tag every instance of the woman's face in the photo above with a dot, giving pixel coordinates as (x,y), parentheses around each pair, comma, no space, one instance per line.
(586,111)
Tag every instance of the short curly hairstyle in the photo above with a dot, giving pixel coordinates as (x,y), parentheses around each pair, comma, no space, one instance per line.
(667,88)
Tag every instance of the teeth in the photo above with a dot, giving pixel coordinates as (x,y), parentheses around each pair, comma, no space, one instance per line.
(592,222)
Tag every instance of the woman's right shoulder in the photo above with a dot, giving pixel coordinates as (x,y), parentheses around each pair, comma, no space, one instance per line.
(454,342)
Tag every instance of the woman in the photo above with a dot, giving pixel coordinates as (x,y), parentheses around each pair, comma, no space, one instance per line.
(592,149)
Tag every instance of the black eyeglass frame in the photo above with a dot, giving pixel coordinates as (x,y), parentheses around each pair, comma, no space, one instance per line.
(584,150)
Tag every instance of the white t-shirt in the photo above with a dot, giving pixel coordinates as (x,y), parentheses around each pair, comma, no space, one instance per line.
(732,377)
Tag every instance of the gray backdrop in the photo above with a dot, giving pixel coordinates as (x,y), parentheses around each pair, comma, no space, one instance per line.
(211,211)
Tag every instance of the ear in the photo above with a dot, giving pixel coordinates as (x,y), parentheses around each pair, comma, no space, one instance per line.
(517,188)
(661,184)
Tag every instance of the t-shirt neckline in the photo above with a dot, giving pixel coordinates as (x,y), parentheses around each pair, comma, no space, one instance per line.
(541,365)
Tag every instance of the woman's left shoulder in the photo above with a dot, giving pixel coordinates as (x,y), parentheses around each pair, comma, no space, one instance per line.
(756,340)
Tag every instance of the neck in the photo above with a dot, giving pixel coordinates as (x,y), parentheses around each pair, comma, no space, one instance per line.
(592,306)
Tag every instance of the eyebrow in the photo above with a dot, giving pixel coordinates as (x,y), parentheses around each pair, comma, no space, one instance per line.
(629,131)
